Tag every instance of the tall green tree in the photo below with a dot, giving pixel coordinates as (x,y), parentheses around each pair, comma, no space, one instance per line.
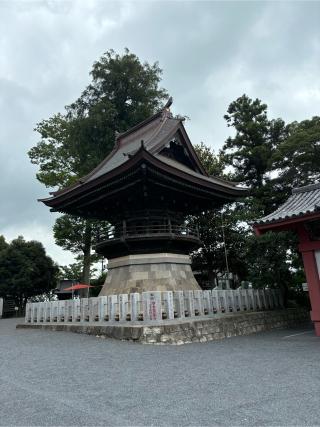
(26,270)
(220,230)
(270,157)
(3,243)
(250,151)
(297,157)
(211,161)
(123,92)
(76,235)
(270,259)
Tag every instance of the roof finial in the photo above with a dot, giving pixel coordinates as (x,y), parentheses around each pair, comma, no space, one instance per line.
(168,104)
(166,113)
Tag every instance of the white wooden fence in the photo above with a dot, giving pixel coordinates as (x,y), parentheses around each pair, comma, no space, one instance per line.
(153,306)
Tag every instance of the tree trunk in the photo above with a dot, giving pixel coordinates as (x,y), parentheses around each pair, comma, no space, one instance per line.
(86,257)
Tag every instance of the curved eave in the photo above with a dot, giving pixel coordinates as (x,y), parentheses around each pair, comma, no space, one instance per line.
(223,187)
(286,223)
(219,188)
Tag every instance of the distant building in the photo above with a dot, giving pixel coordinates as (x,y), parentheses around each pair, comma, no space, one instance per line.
(63,284)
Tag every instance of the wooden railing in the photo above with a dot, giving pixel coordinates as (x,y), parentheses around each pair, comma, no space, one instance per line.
(124,230)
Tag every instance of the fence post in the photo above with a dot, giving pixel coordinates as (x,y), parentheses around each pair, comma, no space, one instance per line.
(179,304)
(215,301)
(103,309)
(207,302)
(123,307)
(223,303)
(135,306)
(198,303)
(189,303)
(167,298)
(113,307)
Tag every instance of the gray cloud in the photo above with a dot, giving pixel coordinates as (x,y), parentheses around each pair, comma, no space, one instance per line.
(211,53)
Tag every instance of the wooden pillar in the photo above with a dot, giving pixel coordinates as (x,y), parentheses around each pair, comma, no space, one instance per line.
(307,249)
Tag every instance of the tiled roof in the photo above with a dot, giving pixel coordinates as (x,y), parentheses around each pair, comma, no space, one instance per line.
(155,132)
(303,200)
(152,134)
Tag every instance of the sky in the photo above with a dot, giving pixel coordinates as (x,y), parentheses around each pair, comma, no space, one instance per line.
(210,52)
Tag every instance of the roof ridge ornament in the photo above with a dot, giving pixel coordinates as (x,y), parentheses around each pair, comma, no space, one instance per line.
(166,113)
(168,103)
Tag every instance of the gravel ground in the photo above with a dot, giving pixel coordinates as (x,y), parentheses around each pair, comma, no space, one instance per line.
(64,379)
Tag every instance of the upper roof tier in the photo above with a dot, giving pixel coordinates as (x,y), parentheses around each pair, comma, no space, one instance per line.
(303,203)
(159,144)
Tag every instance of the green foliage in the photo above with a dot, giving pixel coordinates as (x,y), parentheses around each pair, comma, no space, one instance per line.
(74,271)
(219,229)
(26,270)
(250,152)
(298,156)
(273,262)
(211,162)
(71,272)
(97,283)
(123,92)
(3,243)
(70,232)
(269,157)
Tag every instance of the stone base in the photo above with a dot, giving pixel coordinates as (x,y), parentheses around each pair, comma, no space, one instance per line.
(203,329)
(149,272)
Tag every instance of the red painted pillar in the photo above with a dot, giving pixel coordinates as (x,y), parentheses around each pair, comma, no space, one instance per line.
(307,249)
(312,276)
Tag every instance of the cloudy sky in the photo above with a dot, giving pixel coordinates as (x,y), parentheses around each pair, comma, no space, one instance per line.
(211,53)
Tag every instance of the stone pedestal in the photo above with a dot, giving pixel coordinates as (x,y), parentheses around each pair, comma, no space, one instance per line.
(149,272)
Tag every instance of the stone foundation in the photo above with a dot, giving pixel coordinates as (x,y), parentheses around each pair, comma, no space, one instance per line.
(202,329)
(149,272)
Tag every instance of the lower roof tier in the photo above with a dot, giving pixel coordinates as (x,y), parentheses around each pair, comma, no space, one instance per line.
(143,182)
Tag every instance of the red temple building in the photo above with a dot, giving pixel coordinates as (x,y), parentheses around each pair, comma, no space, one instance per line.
(146,188)
(301,213)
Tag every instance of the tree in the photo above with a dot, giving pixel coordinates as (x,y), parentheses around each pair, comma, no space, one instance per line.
(270,260)
(251,150)
(26,270)
(211,161)
(76,235)
(270,157)
(298,156)
(123,92)
(3,243)
(223,243)
(72,271)
(220,230)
